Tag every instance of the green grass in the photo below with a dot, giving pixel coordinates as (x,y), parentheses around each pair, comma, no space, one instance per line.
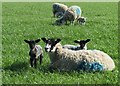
(33,20)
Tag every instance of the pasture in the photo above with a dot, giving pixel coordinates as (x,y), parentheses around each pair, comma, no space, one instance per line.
(34,20)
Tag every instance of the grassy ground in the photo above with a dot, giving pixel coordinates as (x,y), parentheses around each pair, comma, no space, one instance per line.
(33,20)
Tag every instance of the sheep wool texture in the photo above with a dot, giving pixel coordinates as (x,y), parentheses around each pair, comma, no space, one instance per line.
(39,50)
(57,7)
(77,11)
(91,60)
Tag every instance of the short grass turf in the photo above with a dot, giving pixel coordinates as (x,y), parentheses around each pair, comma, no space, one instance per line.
(34,20)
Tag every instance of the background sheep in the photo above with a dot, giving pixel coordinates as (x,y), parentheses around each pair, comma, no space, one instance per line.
(71,14)
(58,9)
(66,60)
(35,52)
(82,45)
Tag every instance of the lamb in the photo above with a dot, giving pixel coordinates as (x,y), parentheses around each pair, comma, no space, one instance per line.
(82,45)
(59,9)
(35,52)
(71,14)
(67,60)
(81,20)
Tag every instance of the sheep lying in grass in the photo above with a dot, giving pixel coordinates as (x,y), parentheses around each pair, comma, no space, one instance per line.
(58,9)
(71,14)
(35,52)
(82,45)
(66,60)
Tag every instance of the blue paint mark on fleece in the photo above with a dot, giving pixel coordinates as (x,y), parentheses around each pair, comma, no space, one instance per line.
(94,66)
(78,11)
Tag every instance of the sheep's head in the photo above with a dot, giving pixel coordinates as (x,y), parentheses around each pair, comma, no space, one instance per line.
(50,44)
(32,43)
(82,43)
(59,14)
(82,20)
(60,21)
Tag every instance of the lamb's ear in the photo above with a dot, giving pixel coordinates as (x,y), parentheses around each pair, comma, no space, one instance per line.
(36,41)
(87,40)
(44,39)
(26,41)
(76,41)
(57,40)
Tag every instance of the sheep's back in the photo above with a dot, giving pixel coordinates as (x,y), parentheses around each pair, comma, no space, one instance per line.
(77,11)
(90,56)
(59,7)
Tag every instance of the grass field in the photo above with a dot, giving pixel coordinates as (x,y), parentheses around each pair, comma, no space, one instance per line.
(33,20)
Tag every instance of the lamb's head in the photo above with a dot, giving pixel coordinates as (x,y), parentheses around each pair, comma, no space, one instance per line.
(32,43)
(50,44)
(81,20)
(82,43)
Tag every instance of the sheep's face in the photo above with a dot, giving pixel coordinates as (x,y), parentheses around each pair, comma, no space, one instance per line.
(60,21)
(82,43)
(59,14)
(50,44)
(82,20)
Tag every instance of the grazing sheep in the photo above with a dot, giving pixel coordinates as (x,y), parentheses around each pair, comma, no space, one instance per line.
(82,45)
(58,9)
(66,60)
(71,14)
(35,52)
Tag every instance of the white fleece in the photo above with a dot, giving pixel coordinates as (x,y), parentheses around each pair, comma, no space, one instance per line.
(66,60)
(39,50)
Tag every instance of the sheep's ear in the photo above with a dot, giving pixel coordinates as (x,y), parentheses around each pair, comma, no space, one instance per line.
(26,41)
(76,41)
(36,41)
(57,40)
(87,40)
(44,39)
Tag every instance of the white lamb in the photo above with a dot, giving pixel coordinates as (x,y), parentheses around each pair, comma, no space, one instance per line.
(66,60)
(82,45)
(59,9)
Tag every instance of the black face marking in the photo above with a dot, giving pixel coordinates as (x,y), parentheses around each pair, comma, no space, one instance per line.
(82,42)
(32,43)
(82,20)
(50,43)
(60,21)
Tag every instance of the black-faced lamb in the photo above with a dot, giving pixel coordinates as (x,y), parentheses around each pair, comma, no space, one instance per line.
(82,45)
(66,60)
(59,9)
(35,52)
(71,14)
(81,20)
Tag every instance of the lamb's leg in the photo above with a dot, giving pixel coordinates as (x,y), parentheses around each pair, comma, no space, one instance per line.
(41,56)
(35,63)
(31,62)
